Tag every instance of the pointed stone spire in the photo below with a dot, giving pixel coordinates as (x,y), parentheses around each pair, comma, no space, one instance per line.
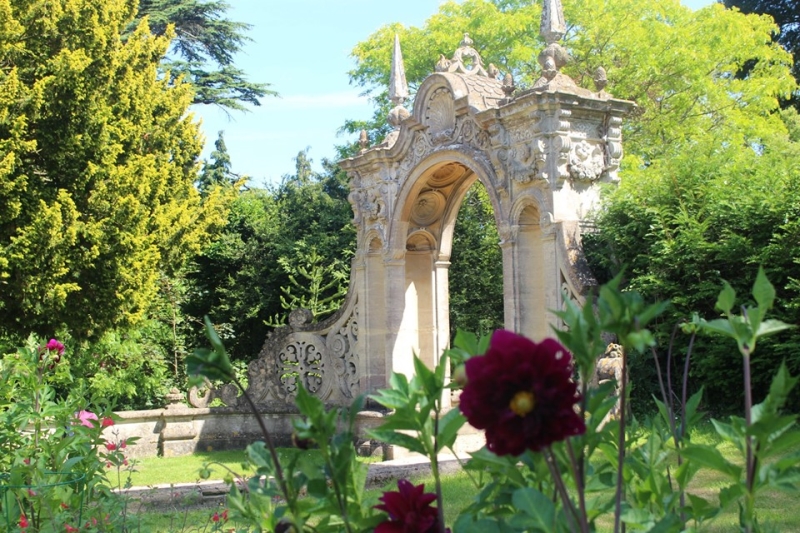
(398,92)
(553,25)
(398,87)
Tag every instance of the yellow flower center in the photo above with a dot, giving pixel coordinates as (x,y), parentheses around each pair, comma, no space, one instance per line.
(522,403)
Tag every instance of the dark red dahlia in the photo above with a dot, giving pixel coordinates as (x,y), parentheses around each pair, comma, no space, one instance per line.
(409,510)
(522,393)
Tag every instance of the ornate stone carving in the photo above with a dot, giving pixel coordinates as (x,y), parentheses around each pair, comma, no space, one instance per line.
(586,162)
(428,208)
(420,147)
(341,347)
(466,60)
(612,135)
(447,175)
(440,115)
(300,362)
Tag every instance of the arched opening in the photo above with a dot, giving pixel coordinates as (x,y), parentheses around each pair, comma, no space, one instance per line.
(476,267)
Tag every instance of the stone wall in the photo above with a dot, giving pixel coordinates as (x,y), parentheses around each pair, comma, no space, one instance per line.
(176,431)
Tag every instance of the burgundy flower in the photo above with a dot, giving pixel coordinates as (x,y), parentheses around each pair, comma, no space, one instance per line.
(522,393)
(409,510)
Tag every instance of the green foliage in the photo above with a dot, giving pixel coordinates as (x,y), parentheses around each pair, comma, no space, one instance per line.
(127,369)
(218,171)
(55,462)
(476,267)
(641,472)
(238,279)
(98,163)
(204,42)
(786,14)
(316,283)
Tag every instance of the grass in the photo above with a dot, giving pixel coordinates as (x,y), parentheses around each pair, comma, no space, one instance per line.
(186,469)
(775,508)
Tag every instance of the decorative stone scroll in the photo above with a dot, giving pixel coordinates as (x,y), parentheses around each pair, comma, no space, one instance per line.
(323,358)
(466,60)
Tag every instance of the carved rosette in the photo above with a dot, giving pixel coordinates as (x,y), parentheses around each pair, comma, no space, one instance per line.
(586,163)
(428,208)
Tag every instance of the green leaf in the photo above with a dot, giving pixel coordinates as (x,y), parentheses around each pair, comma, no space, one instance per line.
(763,292)
(449,425)
(398,439)
(712,458)
(768,327)
(730,494)
(431,386)
(719,325)
(538,507)
(726,299)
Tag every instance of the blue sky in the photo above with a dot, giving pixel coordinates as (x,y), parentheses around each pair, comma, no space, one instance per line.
(302,48)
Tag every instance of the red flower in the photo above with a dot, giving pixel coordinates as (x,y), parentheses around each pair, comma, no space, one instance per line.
(107,421)
(225,515)
(23,521)
(110,446)
(522,393)
(71,529)
(215,518)
(409,510)
(64,505)
(123,444)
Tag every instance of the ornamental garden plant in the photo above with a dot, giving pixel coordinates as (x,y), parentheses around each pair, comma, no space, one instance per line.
(57,470)
(555,459)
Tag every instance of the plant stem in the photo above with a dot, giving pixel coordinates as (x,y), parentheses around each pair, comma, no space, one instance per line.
(268,440)
(569,507)
(750,464)
(579,486)
(623,391)
(435,470)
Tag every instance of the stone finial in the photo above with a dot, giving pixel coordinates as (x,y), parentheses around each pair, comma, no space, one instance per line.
(600,79)
(398,87)
(508,85)
(554,56)
(363,140)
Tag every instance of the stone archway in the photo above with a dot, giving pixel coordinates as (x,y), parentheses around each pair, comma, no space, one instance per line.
(541,155)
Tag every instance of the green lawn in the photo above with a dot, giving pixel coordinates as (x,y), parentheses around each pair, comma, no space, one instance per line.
(777,509)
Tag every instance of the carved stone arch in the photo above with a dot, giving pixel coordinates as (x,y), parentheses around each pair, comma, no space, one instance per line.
(540,154)
(476,166)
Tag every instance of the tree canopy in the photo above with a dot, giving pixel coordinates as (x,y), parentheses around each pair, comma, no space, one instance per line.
(98,158)
(786,14)
(204,43)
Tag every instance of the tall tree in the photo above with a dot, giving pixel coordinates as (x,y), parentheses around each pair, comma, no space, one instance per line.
(98,158)
(786,14)
(204,44)
(217,171)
